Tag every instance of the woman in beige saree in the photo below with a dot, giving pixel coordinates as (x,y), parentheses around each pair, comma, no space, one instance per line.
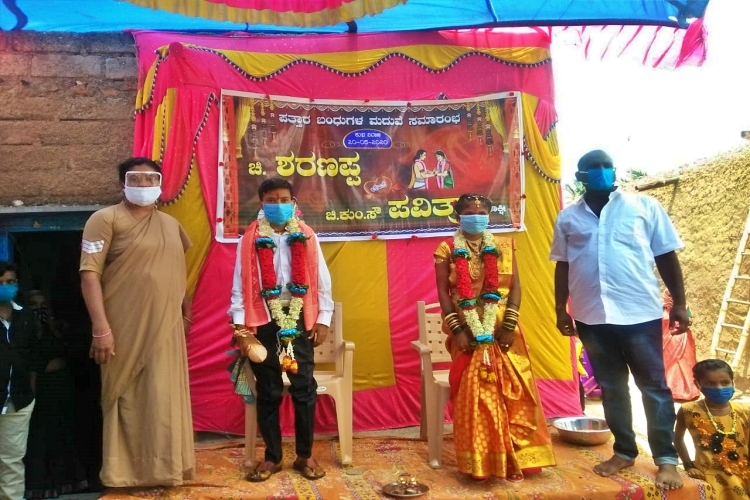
(133,278)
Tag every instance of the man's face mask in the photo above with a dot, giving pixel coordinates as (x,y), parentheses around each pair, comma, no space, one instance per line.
(599,176)
(601,179)
(278,213)
(142,188)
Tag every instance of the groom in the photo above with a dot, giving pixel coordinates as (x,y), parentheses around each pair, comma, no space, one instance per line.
(281,294)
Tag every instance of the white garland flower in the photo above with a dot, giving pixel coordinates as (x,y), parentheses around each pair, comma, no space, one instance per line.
(485,325)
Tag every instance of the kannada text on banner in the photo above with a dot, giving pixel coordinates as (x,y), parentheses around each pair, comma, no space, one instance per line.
(368,170)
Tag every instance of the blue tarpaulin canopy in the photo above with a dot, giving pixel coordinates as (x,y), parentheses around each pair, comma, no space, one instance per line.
(117,15)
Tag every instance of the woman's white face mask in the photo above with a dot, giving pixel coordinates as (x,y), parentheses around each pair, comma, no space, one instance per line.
(142,188)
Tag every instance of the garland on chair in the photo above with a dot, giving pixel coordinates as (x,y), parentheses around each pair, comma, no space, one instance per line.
(271,291)
(482,329)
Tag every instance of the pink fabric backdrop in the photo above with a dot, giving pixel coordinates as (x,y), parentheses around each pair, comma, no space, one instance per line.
(199,76)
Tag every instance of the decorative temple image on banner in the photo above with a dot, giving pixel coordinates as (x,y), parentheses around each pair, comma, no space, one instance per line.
(365,170)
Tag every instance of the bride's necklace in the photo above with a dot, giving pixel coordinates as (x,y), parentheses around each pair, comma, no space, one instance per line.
(475,257)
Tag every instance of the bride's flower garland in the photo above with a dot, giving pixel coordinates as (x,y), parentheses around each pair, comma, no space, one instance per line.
(271,292)
(482,329)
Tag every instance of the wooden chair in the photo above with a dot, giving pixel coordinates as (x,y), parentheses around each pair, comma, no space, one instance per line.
(435,387)
(336,384)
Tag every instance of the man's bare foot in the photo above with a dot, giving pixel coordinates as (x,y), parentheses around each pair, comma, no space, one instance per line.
(612,466)
(668,478)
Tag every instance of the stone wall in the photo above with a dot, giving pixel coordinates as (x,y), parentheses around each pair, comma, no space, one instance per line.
(67,116)
(709,206)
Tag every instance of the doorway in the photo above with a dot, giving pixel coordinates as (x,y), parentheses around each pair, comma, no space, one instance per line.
(48,261)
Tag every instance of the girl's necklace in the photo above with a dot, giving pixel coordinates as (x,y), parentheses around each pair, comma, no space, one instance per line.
(731,413)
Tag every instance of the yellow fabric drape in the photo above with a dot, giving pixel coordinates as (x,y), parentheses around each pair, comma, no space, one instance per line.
(550,352)
(162,125)
(434,57)
(496,118)
(144,91)
(217,11)
(545,152)
(242,119)
(190,210)
(363,291)
(552,143)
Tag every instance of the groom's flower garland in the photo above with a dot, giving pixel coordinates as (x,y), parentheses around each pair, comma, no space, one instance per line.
(271,292)
(482,329)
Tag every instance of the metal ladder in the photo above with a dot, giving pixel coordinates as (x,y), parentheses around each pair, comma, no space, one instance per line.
(743,256)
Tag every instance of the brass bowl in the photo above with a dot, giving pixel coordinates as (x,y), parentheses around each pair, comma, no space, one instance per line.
(584,431)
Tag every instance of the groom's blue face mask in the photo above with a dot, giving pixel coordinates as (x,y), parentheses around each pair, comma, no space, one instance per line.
(278,205)
(278,213)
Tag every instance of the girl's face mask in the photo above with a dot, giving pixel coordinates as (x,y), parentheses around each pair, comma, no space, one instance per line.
(718,394)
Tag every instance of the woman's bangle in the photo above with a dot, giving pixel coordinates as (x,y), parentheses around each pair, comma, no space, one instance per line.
(188,319)
(102,335)
(453,322)
(510,324)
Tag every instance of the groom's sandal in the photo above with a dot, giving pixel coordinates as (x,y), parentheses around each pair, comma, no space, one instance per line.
(311,473)
(263,471)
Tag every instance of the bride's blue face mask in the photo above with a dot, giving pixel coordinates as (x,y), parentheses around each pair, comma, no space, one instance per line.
(474,223)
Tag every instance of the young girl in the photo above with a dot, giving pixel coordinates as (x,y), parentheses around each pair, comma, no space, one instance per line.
(720,431)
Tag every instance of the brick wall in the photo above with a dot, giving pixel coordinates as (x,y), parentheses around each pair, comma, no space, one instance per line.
(66,117)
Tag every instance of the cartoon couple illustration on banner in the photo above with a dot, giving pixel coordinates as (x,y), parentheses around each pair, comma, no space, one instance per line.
(420,174)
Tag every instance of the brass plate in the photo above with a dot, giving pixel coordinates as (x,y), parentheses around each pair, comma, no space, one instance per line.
(393,490)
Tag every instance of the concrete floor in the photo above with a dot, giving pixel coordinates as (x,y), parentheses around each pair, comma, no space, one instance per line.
(593,409)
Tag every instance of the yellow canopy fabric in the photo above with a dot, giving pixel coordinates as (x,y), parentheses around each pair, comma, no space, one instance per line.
(307,18)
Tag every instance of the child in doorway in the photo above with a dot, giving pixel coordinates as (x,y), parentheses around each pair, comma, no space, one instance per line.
(720,430)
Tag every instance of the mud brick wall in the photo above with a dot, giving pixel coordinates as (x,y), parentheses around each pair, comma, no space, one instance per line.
(66,117)
(709,206)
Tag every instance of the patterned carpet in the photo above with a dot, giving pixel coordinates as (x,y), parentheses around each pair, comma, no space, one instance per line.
(379,461)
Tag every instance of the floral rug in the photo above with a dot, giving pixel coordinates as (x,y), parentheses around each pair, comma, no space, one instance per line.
(379,461)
